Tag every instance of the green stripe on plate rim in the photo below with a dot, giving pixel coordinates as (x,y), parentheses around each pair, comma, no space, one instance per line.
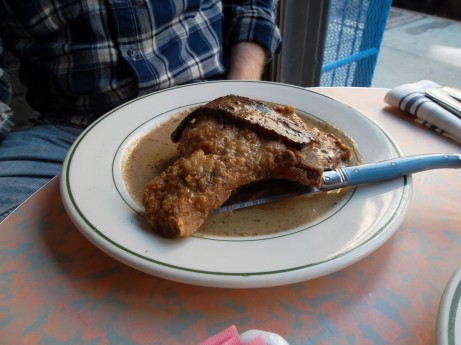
(455,304)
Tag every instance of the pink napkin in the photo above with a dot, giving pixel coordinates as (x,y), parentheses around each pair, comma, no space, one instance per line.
(230,336)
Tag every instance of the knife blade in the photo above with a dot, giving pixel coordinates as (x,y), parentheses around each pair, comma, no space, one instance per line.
(447,98)
(264,192)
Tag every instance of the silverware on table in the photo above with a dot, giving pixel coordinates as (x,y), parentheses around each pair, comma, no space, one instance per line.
(447,97)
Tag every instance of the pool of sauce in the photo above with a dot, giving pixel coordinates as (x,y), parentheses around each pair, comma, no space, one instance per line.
(152,153)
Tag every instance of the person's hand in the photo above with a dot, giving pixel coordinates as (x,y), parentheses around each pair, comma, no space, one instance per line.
(247,61)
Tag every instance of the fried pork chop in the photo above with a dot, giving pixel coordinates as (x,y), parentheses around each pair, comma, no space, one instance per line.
(230,142)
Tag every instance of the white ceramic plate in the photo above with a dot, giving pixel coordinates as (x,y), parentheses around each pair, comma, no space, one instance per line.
(270,338)
(96,202)
(449,315)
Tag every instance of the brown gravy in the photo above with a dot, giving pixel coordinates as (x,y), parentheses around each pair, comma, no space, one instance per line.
(152,153)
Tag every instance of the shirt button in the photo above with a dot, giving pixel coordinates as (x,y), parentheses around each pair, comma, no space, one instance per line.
(132,54)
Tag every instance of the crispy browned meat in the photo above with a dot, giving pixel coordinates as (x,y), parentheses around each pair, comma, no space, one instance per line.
(218,155)
(280,125)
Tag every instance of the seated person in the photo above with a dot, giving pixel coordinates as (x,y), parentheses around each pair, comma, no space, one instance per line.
(80,59)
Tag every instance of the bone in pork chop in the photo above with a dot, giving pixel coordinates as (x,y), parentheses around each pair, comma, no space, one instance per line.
(230,142)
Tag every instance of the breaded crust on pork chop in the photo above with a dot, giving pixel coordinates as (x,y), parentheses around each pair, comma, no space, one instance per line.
(221,152)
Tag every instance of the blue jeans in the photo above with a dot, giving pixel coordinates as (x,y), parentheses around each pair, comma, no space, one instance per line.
(28,159)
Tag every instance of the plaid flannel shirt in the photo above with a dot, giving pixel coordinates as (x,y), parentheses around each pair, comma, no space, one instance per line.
(79,59)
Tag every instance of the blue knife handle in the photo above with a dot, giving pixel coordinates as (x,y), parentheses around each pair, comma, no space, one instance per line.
(386,170)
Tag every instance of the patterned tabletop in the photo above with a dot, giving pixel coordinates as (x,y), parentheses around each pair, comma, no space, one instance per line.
(57,288)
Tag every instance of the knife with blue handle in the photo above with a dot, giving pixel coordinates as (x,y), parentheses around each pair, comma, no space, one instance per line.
(351,176)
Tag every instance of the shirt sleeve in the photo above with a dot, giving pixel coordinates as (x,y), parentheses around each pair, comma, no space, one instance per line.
(254,21)
(6,93)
